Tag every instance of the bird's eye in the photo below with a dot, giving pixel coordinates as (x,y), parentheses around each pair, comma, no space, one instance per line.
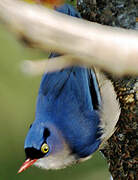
(44,148)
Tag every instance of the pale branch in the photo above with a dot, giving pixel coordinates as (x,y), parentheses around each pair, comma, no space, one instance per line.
(112,49)
(41,66)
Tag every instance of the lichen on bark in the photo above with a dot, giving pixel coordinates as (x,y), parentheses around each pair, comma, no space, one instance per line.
(120,150)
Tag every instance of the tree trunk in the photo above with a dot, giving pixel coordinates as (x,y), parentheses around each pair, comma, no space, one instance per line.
(120,150)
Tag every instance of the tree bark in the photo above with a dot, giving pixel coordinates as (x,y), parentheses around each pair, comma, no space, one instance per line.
(120,150)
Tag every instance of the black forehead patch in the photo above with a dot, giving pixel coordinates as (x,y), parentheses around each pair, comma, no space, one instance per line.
(33,153)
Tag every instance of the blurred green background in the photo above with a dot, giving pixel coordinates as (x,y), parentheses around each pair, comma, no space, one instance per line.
(18,94)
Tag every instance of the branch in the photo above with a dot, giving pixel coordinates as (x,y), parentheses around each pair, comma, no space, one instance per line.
(41,66)
(112,49)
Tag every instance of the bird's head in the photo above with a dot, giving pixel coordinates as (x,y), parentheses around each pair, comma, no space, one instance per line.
(46,148)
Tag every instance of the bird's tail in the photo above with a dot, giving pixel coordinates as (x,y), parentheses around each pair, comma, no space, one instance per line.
(69,10)
(110,108)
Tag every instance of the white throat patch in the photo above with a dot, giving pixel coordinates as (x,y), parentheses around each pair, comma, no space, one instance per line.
(58,160)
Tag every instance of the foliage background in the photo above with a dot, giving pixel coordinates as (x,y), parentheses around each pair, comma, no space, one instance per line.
(18,94)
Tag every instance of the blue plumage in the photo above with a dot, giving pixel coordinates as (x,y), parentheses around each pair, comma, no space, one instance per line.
(65,97)
(67,117)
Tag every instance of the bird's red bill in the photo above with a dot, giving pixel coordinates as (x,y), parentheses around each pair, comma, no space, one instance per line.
(27,164)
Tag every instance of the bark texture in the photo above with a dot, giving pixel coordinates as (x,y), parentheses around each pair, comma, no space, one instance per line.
(120,150)
(120,13)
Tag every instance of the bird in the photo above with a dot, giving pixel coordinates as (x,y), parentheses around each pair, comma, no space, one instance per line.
(76,112)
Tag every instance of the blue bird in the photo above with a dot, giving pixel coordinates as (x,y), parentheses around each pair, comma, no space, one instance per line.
(76,113)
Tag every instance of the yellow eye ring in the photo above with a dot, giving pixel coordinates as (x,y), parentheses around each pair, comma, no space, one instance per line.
(44,148)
